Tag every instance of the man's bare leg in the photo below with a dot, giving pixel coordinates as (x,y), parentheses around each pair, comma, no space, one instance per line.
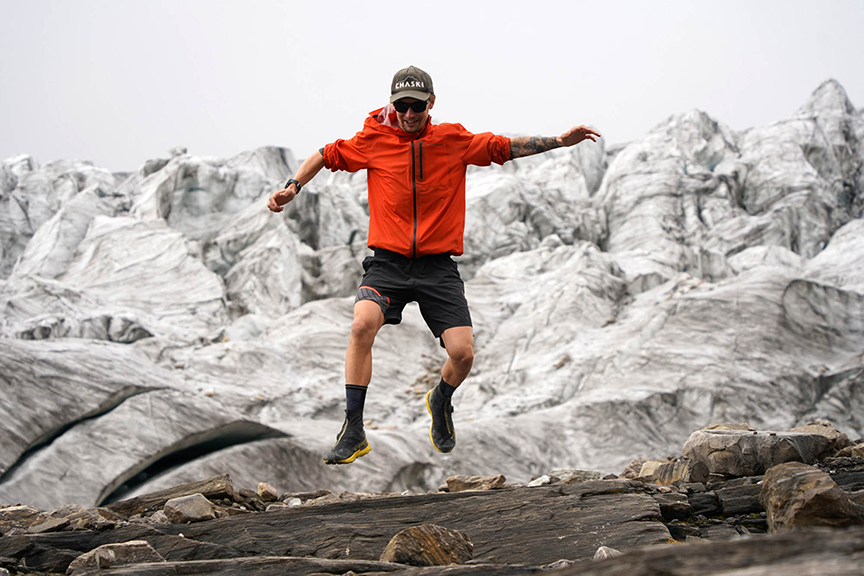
(459,342)
(351,442)
(368,320)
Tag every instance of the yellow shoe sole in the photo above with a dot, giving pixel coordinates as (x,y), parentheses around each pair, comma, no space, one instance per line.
(350,459)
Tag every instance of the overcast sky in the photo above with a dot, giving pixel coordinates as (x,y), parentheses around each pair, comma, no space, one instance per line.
(117,82)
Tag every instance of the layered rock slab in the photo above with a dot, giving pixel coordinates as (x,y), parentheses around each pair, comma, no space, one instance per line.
(564,522)
(811,552)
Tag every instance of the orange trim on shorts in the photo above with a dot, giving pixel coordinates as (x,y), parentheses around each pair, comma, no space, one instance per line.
(378,293)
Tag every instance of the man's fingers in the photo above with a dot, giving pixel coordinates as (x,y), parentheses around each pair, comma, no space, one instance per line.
(279,199)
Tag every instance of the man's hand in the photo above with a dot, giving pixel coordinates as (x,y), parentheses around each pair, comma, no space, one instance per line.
(577,134)
(280,198)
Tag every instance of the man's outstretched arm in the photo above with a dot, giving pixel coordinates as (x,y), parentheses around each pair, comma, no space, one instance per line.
(530,145)
(310,167)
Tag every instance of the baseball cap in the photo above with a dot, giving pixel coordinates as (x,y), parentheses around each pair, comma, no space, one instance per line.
(411,82)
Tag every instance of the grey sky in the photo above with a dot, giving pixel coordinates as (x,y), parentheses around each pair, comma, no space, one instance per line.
(117,82)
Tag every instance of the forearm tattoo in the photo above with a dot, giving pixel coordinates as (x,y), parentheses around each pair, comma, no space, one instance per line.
(529,145)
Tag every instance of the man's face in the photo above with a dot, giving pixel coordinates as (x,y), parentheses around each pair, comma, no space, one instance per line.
(412,121)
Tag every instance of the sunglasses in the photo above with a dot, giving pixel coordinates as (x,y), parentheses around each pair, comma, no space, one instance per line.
(417,107)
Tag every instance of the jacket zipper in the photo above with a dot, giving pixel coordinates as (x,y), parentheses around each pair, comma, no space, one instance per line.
(414,188)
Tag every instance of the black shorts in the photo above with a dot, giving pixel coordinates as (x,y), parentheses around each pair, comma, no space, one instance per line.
(393,280)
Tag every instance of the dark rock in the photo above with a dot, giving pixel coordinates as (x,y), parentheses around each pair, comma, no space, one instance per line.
(110,555)
(745,453)
(93,519)
(191,508)
(851,481)
(52,559)
(49,525)
(587,515)
(215,487)
(796,495)
(247,494)
(734,482)
(753,522)
(704,503)
(811,552)
(250,499)
(54,551)
(692,487)
(265,566)
(837,440)
(429,545)
(673,506)
(280,566)
(742,499)
(680,531)
(718,531)
(267,493)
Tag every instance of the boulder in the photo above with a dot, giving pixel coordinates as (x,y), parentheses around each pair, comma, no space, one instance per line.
(745,453)
(796,495)
(429,545)
(267,493)
(838,439)
(114,555)
(192,508)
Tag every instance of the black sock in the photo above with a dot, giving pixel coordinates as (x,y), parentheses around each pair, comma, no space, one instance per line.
(446,389)
(355,397)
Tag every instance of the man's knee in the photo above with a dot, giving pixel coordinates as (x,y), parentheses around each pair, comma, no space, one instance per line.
(368,319)
(462,356)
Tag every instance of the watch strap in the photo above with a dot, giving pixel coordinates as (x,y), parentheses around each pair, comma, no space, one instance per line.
(296,184)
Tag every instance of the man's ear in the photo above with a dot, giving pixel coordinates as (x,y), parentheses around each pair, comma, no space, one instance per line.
(431,102)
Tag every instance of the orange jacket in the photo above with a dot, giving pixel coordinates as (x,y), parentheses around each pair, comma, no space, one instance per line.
(416,181)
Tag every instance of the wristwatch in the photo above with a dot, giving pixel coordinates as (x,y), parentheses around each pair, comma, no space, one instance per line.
(295,182)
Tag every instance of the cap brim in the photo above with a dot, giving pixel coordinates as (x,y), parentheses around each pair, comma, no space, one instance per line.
(416,94)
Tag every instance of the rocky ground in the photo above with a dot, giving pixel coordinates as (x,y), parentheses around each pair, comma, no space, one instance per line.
(737,501)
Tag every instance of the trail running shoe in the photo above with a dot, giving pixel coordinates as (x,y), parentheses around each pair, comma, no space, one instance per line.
(442,433)
(350,442)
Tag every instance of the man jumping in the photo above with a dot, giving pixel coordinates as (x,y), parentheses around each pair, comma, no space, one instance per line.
(416,187)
